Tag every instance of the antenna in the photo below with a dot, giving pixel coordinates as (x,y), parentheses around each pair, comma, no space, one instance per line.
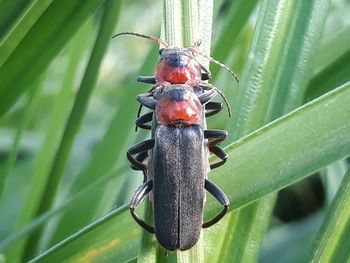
(207,85)
(194,50)
(153,38)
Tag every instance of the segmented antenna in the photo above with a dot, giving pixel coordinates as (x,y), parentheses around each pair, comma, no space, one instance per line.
(207,85)
(194,50)
(153,38)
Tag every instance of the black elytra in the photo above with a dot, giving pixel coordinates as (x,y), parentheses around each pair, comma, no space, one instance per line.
(177,172)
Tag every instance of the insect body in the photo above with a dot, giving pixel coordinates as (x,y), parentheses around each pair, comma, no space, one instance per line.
(177,66)
(178,165)
(177,168)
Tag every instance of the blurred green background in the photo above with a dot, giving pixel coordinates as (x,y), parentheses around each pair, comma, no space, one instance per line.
(62,175)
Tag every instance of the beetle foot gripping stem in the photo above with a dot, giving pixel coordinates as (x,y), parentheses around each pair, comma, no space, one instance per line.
(221,197)
(139,195)
(214,137)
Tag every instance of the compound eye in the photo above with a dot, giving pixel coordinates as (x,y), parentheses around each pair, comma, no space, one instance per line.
(161,51)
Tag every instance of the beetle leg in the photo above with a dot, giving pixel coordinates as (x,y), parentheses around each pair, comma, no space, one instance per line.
(141,157)
(207,86)
(139,195)
(136,163)
(149,93)
(213,107)
(146,79)
(206,75)
(141,121)
(147,101)
(207,96)
(221,197)
(219,152)
(215,136)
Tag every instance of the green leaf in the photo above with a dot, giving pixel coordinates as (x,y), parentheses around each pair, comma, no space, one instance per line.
(332,177)
(331,243)
(237,17)
(285,38)
(45,156)
(290,243)
(41,44)
(27,116)
(9,12)
(275,56)
(109,151)
(61,208)
(87,244)
(21,27)
(333,75)
(107,24)
(331,49)
(289,144)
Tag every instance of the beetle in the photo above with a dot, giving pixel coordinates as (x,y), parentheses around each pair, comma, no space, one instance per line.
(177,169)
(179,66)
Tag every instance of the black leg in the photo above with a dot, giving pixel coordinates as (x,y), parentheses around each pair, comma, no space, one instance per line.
(139,195)
(147,79)
(206,75)
(150,93)
(138,149)
(207,86)
(141,121)
(215,136)
(221,197)
(207,96)
(141,157)
(212,108)
(220,153)
(147,100)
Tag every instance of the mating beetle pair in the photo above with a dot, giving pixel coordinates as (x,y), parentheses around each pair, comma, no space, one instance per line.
(179,148)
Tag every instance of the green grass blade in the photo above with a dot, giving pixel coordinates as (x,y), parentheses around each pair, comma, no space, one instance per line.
(245,231)
(107,25)
(190,22)
(331,49)
(9,12)
(332,76)
(290,243)
(27,116)
(109,152)
(45,39)
(171,28)
(103,239)
(53,136)
(276,63)
(289,143)
(237,17)
(267,76)
(84,194)
(332,241)
(148,243)
(332,177)
(301,44)
(21,27)
(294,135)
